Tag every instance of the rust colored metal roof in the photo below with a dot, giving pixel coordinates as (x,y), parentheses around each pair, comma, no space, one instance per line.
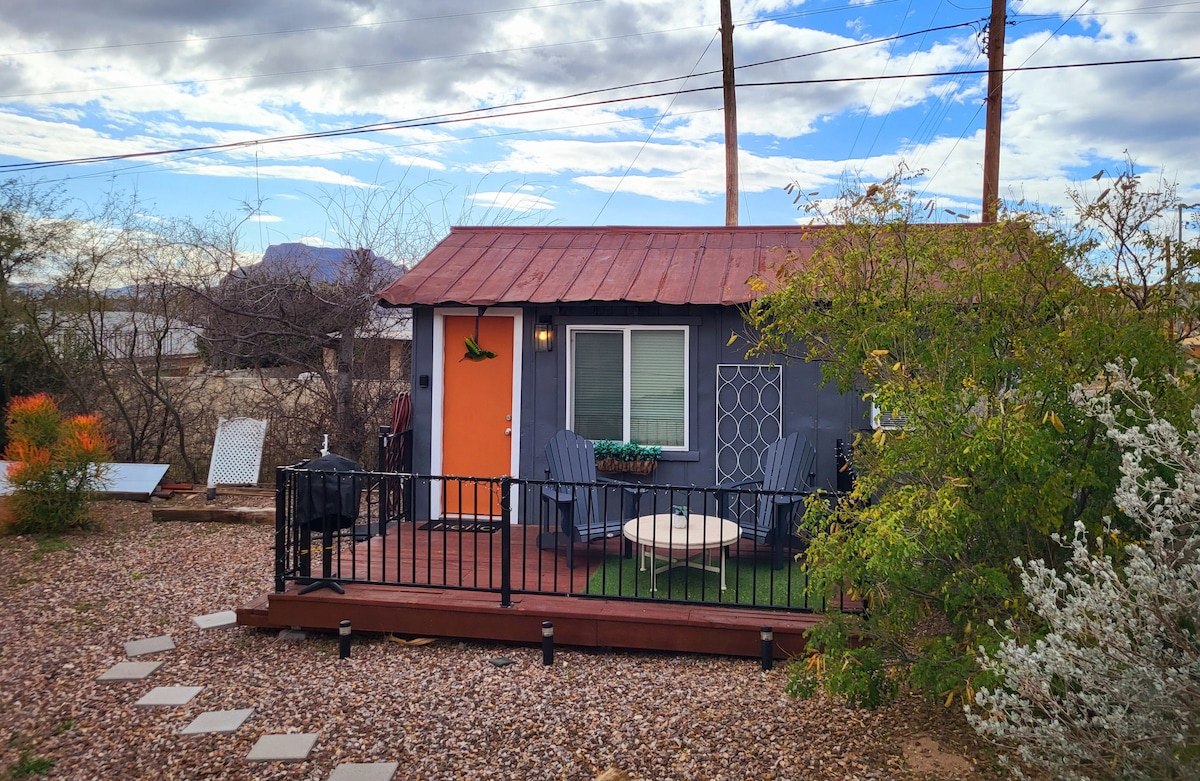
(485,266)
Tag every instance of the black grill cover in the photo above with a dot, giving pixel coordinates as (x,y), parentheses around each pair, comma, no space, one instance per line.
(327,496)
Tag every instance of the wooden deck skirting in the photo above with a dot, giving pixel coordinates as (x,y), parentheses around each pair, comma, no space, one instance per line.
(578,621)
(407,554)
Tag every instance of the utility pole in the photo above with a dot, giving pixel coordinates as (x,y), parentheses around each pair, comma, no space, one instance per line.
(995,95)
(731,145)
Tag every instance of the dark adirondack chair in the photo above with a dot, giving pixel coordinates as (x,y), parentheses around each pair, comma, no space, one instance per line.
(789,471)
(579,502)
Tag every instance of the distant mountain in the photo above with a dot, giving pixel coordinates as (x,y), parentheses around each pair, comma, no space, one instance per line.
(321,264)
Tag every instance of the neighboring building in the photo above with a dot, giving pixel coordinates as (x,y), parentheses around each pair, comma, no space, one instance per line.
(140,336)
(616,333)
(385,344)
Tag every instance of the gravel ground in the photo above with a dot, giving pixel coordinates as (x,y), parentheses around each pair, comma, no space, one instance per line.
(441,710)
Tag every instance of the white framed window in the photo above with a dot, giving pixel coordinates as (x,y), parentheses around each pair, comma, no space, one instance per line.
(629,383)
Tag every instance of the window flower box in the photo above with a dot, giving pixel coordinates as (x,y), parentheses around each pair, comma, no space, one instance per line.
(625,457)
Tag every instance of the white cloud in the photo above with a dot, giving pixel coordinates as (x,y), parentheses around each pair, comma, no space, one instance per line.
(307,173)
(515,202)
(365,64)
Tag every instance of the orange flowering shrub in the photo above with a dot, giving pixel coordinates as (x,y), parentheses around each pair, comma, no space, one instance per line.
(55,465)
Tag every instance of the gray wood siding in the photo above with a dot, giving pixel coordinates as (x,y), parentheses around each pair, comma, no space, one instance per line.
(821,414)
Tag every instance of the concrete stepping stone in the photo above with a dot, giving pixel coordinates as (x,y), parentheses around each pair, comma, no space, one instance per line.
(223,721)
(293,747)
(364,771)
(169,696)
(149,645)
(222,620)
(129,671)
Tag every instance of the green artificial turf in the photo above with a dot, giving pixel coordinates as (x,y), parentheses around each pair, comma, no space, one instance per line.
(750,582)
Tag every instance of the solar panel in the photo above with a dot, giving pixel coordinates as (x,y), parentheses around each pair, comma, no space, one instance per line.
(137,479)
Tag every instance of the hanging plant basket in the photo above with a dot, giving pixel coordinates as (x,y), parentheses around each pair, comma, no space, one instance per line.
(639,467)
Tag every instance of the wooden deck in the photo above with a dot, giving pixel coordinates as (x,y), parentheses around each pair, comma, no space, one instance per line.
(410,569)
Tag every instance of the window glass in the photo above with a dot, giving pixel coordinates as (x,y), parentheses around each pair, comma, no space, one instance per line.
(599,382)
(630,384)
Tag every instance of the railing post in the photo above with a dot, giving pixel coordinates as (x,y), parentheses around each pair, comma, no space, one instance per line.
(384,483)
(505,543)
(381,448)
(280,527)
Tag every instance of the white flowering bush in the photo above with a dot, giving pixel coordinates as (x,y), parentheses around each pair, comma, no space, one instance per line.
(1110,688)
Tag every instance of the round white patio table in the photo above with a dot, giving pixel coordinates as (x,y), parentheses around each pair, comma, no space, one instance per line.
(703,534)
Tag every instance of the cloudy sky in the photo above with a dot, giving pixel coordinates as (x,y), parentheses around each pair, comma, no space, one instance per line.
(597,111)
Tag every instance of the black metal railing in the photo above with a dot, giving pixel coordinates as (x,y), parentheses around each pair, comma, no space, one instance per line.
(508,536)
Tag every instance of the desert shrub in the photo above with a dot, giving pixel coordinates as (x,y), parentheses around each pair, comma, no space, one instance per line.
(56,465)
(1110,687)
(971,340)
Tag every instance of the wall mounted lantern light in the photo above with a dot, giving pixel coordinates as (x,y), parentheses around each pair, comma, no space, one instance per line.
(543,337)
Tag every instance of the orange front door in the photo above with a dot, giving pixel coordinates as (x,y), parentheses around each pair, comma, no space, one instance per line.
(477,413)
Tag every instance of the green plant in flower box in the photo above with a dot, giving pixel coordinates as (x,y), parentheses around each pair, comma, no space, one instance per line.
(613,456)
(625,451)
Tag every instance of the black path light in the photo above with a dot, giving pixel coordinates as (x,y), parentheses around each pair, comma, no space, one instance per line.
(767,637)
(547,643)
(344,640)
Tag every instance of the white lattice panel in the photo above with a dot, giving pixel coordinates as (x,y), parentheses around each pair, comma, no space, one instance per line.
(237,451)
(749,417)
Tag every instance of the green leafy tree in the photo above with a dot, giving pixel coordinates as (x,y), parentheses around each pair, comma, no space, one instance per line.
(34,226)
(974,336)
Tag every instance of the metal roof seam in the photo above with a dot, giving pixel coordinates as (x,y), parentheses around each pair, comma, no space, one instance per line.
(517,274)
(700,259)
(474,297)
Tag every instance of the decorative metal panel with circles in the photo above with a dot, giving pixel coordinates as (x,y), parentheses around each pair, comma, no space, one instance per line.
(749,417)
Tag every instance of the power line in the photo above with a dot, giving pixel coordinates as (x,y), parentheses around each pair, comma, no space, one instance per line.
(477,115)
(388,63)
(934,118)
(954,146)
(585,93)
(127,170)
(896,96)
(650,135)
(653,82)
(1057,30)
(1147,10)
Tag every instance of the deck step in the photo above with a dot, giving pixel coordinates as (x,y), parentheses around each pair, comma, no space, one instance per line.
(255,614)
